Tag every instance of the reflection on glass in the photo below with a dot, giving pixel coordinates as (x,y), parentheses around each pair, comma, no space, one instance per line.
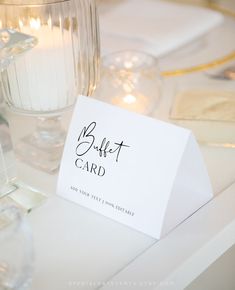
(12,44)
(16,250)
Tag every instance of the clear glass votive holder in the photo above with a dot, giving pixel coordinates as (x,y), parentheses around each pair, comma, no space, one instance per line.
(131,80)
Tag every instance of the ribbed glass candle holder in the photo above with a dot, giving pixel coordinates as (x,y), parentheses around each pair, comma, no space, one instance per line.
(65,61)
(46,81)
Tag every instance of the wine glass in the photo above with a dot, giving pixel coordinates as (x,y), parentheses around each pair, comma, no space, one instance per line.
(12,44)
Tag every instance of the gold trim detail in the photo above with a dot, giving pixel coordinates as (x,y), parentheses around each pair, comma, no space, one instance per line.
(215,63)
(201,67)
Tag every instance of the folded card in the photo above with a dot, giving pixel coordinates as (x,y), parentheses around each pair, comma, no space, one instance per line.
(139,171)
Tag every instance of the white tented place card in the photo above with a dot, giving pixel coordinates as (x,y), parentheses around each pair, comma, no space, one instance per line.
(139,171)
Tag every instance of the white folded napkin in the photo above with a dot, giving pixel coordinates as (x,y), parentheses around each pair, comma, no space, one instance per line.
(155,26)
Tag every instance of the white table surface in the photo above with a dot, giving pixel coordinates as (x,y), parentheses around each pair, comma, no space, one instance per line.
(76,248)
(79,249)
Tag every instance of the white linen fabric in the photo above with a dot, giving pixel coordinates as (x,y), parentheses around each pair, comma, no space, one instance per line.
(154,26)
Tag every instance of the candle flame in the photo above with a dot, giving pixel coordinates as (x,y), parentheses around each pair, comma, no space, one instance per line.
(129,99)
(35,23)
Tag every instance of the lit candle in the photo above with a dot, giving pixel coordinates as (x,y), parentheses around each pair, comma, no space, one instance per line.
(44,78)
(130,79)
(132,101)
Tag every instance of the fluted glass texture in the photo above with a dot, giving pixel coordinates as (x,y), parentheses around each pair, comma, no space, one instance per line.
(65,61)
